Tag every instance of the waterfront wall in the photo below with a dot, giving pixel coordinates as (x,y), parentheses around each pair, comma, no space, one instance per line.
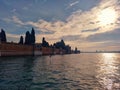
(13,49)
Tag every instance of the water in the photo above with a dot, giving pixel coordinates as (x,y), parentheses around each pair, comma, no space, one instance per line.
(90,71)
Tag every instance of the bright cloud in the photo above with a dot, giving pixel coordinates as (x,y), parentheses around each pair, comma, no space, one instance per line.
(17,20)
(74,3)
(13,37)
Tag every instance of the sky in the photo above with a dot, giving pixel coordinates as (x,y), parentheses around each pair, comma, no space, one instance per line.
(86,24)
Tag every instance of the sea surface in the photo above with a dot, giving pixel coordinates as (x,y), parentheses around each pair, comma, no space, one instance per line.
(85,71)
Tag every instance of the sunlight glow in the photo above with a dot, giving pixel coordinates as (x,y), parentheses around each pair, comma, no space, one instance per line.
(107,16)
(108,61)
(108,57)
(107,70)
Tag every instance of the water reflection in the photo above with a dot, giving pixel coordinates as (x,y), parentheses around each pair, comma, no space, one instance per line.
(69,72)
(108,71)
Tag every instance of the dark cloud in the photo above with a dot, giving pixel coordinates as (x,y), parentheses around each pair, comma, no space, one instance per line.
(108,36)
(71,37)
(91,30)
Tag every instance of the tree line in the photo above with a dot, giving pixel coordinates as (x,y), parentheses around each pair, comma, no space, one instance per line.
(29,38)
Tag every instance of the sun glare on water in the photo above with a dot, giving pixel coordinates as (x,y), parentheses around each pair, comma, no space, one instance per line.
(107,16)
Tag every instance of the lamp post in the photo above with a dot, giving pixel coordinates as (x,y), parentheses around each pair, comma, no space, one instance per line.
(0,40)
(0,46)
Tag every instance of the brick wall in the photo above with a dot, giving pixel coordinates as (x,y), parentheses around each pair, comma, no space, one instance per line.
(12,49)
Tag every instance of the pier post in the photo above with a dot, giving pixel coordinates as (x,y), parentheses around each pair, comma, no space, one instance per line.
(33,50)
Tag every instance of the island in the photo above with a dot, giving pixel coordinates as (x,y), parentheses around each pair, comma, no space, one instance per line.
(29,47)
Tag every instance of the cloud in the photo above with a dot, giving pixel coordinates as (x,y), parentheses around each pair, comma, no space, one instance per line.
(74,3)
(25,8)
(13,10)
(112,36)
(71,37)
(17,20)
(13,37)
(79,23)
(94,30)
(7,20)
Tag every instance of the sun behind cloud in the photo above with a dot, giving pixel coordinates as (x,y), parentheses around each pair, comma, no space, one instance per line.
(100,19)
(107,16)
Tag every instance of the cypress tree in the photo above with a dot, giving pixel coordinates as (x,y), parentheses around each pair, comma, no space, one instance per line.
(28,38)
(21,40)
(32,36)
(3,36)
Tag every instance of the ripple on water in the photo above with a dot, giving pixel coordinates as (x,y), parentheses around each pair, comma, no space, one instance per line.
(65,72)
